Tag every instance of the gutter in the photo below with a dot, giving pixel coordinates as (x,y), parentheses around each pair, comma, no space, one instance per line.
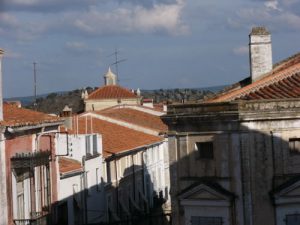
(125,152)
(10,129)
(71,174)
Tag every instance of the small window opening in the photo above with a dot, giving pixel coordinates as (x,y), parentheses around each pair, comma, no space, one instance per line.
(205,149)
(294,145)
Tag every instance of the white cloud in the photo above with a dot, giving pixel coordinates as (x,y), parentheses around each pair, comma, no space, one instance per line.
(289,2)
(11,54)
(95,20)
(8,20)
(289,19)
(242,50)
(24,2)
(21,29)
(272,5)
(76,45)
(161,17)
(267,13)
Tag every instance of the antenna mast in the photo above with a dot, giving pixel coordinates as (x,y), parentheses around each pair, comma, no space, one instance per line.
(117,61)
(34,80)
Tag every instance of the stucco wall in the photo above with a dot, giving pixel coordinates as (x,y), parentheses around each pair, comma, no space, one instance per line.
(92,105)
(13,146)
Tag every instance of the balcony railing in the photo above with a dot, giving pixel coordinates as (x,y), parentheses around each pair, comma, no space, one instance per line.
(38,220)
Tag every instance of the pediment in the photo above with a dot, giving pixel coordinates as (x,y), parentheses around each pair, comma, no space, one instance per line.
(205,195)
(291,190)
(205,192)
(292,193)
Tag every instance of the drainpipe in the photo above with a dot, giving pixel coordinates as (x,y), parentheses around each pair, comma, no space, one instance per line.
(144,175)
(85,190)
(242,179)
(117,183)
(273,159)
(133,180)
(274,172)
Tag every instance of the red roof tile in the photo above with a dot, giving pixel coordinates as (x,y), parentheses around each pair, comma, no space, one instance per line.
(15,116)
(136,117)
(115,138)
(68,165)
(282,82)
(111,91)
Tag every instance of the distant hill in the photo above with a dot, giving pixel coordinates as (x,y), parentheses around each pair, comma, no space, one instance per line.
(55,102)
(24,100)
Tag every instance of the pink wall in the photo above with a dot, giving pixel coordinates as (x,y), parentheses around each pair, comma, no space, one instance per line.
(23,144)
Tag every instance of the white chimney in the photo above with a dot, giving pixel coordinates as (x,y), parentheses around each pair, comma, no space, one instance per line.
(110,78)
(260,49)
(1,97)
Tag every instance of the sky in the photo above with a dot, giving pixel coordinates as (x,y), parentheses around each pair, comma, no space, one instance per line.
(162,43)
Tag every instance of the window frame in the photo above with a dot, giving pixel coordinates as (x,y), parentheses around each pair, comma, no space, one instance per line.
(294,146)
(203,154)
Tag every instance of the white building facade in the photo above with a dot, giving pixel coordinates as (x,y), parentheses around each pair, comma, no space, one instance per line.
(82,187)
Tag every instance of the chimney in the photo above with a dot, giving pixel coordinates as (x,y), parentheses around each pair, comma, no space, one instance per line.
(67,114)
(1,97)
(110,78)
(260,49)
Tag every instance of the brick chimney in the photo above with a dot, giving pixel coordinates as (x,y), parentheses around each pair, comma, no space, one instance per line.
(1,97)
(260,49)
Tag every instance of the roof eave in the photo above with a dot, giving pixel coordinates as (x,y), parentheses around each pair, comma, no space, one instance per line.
(18,128)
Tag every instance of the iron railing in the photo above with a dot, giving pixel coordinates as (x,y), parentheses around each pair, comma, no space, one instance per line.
(39,220)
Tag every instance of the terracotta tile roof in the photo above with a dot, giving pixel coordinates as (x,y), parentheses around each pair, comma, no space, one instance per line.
(15,116)
(282,82)
(67,165)
(111,91)
(136,117)
(115,138)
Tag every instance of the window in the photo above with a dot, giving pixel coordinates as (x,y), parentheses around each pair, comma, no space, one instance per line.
(145,157)
(104,173)
(91,144)
(137,159)
(87,145)
(201,220)
(95,144)
(108,172)
(128,161)
(87,182)
(294,145)
(206,149)
(119,169)
(20,200)
(293,219)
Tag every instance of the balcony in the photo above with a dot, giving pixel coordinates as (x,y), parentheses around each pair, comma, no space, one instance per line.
(37,219)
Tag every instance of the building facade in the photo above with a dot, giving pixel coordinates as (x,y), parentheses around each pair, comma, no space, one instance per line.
(234,159)
(30,155)
(80,186)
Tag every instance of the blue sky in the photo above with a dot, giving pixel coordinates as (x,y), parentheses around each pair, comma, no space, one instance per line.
(166,43)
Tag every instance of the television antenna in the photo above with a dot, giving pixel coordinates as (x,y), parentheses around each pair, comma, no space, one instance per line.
(34,83)
(117,61)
